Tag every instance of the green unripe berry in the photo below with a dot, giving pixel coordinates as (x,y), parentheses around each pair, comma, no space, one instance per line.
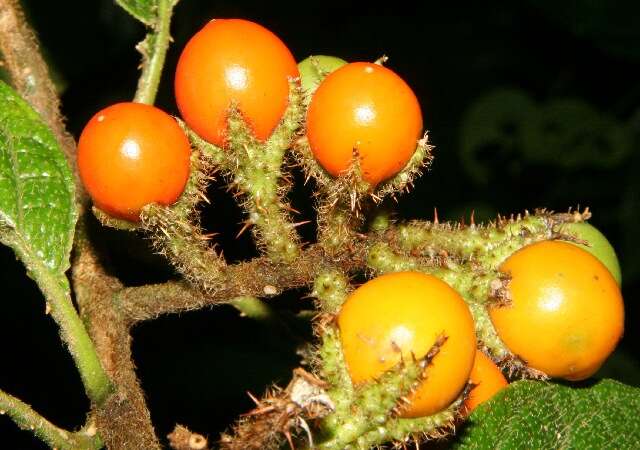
(599,246)
(314,68)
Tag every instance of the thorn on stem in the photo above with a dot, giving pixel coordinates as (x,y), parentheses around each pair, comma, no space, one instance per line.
(246,225)
(297,224)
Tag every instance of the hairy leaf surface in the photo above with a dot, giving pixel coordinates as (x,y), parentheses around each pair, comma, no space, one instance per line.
(37,207)
(533,414)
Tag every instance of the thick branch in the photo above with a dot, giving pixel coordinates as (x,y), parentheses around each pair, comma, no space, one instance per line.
(259,277)
(27,419)
(123,420)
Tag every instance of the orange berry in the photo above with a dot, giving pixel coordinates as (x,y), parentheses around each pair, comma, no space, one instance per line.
(131,155)
(233,62)
(566,313)
(368,109)
(401,315)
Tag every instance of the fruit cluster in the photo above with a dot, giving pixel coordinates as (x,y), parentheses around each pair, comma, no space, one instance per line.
(131,155)
(422,338)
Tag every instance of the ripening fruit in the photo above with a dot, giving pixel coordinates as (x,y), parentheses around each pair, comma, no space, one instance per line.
(401,314)
(599,246)
(488,381)
(366,109)
(131,155)
(314,68)
(566,314)
(233,61)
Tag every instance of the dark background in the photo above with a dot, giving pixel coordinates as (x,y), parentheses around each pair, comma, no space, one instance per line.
(529,104)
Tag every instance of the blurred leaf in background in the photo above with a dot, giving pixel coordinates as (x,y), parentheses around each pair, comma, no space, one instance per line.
(612,26)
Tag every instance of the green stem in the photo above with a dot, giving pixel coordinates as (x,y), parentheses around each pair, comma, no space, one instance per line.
(259,175)
(273,230)
(27,419)
(154,51)
(346,433)
(56,291)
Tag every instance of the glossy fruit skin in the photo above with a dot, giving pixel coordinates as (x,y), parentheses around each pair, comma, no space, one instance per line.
(233,61)
(488,381)
(396,315)
(314,68)
(598,246)
(130,155)
(367,108)
(566,314)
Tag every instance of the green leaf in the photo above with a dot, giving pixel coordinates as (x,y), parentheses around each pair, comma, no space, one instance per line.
(37,205)
(533,414)
(143,10)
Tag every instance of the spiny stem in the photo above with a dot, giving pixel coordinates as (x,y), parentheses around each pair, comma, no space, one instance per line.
(338,225)
(489,244)
(154,50)
(258,173)
(183,243)
(28,419)
(255,170)
(273,230)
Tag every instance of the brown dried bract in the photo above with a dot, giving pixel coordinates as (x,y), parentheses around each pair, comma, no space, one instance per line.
(280,415)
